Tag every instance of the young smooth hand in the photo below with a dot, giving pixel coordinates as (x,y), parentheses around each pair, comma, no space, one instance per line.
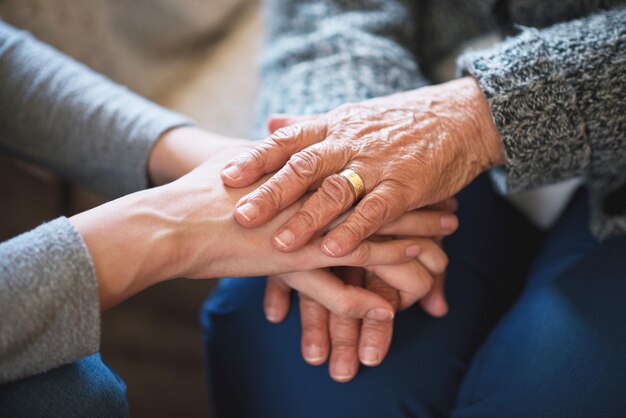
(186,229)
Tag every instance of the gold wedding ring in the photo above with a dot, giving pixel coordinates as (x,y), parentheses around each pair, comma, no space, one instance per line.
(355,181)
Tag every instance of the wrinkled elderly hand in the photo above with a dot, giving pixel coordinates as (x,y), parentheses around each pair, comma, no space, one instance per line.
(344,341)
(330,300)
(411,149)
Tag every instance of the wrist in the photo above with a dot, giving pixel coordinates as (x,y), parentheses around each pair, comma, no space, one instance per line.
(487,132)
(180,150)
(131,243)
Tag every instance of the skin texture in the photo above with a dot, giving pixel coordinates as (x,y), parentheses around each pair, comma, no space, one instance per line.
(411,149)
(344,340)
(186,229)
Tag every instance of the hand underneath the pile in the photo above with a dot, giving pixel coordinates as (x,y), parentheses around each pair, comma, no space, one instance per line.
(335,331)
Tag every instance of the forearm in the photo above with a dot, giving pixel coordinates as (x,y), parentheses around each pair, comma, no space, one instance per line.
(131,243)
(153,235)
(180,150)
(58,113)
(557,97)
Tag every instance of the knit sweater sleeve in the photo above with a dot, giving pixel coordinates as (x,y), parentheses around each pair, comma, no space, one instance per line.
(321,54)
(49,311)
(558,97)
(58,113)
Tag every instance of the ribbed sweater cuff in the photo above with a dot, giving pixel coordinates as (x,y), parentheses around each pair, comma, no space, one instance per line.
(48,301)
(534,108)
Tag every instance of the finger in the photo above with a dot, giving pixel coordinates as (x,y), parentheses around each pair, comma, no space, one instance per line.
(448,205)
(278,121)
(315,343)
(376,335)
(432,256)
(411,279)
(277,299)
(340,298)
(344,338)
(434,303)
(271,154)
(380,207)
(367,253)
(330,200)
(303,170)
(422,223)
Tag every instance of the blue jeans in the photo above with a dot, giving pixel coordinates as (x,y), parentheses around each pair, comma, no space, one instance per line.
(85,388)
(534,330)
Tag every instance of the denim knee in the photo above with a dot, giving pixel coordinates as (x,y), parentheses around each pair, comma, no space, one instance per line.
(85,388)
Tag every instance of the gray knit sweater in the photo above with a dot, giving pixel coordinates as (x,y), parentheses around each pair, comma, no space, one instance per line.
(557,85)
(58,113)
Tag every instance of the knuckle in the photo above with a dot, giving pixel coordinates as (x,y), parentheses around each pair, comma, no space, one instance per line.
(352,233)
(343,342)
(423,285)
(346,306)
(335,189)
(441,263)
(438,259)
(305,164)
(313,329)
(306,220)
(373,331)
(374,209)
(256,156)
(272,194)
(286,133)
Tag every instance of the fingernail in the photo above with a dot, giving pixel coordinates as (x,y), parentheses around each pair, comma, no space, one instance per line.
(380,314)
(285,238)
(233,172)
(271,314)
(449,223)
(342,372)
(331,247)
(413,251)
(370,356)
(313,353)
(248,211)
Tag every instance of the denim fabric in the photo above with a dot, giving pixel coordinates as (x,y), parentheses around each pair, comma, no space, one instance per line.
(85,388)
(533,330)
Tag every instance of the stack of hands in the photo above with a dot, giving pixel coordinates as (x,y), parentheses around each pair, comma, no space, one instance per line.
(411,150)
(354,263)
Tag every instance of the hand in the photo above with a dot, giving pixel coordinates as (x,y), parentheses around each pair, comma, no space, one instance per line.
(180,150)
(411,149)
(186,229)
(414,280)
(345,340)
(330,305)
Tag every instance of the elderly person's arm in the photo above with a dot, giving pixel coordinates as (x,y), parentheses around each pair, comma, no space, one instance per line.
(558,99)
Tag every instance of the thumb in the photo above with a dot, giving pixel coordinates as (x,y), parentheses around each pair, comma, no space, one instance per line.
(280,120)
